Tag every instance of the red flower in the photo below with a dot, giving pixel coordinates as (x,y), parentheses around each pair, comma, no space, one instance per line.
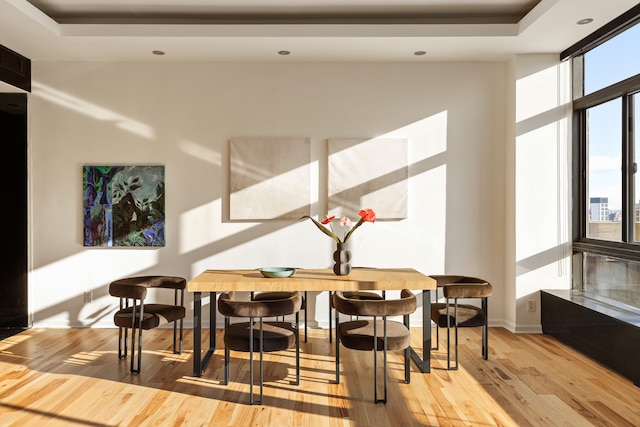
(368,215)
(328,220)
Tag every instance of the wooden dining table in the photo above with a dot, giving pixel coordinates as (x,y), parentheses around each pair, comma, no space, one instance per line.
(359,279)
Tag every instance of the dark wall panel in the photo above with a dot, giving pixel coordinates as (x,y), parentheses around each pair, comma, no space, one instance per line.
(13,214)
(594,329)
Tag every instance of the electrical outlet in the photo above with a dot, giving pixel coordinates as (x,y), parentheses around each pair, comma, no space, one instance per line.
(531,305)
(88,296)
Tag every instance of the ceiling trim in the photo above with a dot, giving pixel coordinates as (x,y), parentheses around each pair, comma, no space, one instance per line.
(288,30)
(549,27)
(292,27)
(36,14)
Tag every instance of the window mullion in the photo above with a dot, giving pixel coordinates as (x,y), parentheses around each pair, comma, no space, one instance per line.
(627,134)
(626,169)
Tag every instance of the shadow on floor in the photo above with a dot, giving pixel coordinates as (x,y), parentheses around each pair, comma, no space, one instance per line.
(9,332)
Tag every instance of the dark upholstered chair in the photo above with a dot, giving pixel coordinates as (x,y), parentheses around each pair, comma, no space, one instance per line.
(451,314)
(269,295)
(134,314)
(375,333)
(361,295)
(257,334)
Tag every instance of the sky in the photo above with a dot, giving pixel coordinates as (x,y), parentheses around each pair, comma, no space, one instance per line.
(611,62)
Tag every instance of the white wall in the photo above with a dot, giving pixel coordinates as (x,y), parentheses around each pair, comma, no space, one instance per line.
(183,115)
(538,252)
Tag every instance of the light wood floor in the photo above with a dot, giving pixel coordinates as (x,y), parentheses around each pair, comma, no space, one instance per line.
(72,377)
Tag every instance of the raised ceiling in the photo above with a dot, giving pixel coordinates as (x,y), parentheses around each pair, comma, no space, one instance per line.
(311,30)
(286,11)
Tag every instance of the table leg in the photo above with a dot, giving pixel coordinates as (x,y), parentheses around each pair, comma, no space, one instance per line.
(199,365)
(197,333)
(424,363)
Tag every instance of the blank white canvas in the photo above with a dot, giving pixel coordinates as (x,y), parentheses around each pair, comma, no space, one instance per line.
(269,178)
(368,173)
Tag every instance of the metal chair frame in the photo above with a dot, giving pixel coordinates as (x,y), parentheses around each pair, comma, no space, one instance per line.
(227,354)
(484,304)
(138,304)
(406,351)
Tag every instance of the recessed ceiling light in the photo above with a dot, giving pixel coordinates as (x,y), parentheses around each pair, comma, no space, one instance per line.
(158,52)
(585,21)
(283,52)
(419,52)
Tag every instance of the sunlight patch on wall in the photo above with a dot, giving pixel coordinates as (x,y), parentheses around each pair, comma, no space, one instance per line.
(201,152)
(92,110)
(203,225)
(52,289)
(542,200)
(534,88)
(428,136)
(200,226)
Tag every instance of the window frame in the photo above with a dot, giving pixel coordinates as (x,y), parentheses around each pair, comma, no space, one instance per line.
(626,248)
(625,90)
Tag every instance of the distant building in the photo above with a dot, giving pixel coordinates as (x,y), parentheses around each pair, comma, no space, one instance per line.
(599,209)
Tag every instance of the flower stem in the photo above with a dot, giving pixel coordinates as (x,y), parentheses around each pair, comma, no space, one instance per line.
(324,229)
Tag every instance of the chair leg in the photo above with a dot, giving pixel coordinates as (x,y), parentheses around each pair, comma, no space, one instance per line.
(123,333)
(137,371)
(251,361)
(261,360)
(133,349)
(133,368)
(175,323)
(407,355)
(456,345)
(330,316)
(121,343)
(375,361)
(385,361)
(485,330)
(306,301)
(253,401)
(181,335)
(337,346)
(297,332)
(175,336)
(485,342)
(455,315)
(227,368)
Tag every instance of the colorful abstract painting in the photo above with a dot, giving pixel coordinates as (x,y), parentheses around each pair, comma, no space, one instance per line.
(123,205)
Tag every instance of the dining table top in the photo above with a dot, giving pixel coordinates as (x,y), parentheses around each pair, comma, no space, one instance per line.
(360,278)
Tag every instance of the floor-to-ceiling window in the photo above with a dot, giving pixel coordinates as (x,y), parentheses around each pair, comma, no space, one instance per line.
(606,153)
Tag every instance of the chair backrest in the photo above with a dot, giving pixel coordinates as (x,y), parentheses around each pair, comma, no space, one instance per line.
(406,304)
(482,289)
(228,306)
(126,290)
(136,287)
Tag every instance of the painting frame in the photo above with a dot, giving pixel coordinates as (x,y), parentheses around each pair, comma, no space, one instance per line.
(123,205)
(269,178)
(368,173)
